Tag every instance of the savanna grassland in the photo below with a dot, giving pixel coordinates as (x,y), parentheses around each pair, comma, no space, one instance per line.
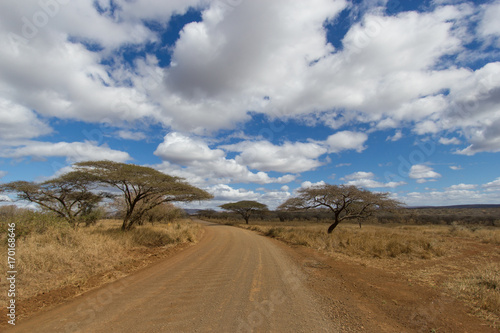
(55,261)
(452,252)
(459,259)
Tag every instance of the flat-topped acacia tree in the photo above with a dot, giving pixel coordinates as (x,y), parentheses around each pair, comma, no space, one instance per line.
(244,208)
(344,202)
(71,195)
(143,188)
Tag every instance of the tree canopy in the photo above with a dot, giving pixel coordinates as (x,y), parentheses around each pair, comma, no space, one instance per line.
(143,188)
(70,196)
(344,202)
(244,208)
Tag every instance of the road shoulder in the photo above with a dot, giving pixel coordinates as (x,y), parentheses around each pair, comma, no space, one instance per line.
(369,299)
(30,307)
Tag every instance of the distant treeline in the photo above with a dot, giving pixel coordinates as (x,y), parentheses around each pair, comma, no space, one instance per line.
(445,216)
(415,216)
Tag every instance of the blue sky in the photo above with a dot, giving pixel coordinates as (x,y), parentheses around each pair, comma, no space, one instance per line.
(252,100)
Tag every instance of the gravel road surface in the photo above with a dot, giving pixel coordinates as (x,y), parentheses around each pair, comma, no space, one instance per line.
(233,280)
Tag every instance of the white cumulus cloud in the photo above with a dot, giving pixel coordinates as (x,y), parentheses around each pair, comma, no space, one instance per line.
(5,198)
(367,180)
(346,140)
(423,173)
(131,135)
(462,187)
(308,184)
(181,149)
(72,151)
(18,122)
(493,185)
(288,157)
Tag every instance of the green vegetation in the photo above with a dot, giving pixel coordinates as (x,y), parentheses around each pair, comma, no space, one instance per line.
(75,196)
(245,208)
(142,188)
(165,212)
(70,196)
(28,221)
(344,202)
(462,220)
(52,252)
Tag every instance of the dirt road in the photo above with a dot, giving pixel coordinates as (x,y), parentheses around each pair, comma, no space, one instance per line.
(233,280)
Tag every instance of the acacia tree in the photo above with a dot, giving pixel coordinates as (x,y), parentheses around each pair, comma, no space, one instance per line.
(70,196)
(142,188)
(161,213)
(344,201)
(244,208)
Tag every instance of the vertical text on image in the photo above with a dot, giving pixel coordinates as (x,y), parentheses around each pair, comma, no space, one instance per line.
(11,273)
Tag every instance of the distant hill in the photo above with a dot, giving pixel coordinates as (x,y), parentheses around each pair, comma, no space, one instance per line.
(192,211)
(480,206)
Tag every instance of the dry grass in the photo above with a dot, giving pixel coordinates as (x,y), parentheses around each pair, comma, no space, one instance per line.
(57,255)
(483,234)
(453,249)
(369,241)
(480,288)
(151,236)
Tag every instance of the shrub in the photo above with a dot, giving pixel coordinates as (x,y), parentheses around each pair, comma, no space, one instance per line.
(29,222)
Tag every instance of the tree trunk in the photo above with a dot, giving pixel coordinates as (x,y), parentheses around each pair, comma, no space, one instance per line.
(333,226)
(72,222)
(246,219)
(126,223)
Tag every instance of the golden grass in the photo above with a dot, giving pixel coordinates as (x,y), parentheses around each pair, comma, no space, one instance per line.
(483,234)
(61,256)
(480,288)
(453,249)
(369,241)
